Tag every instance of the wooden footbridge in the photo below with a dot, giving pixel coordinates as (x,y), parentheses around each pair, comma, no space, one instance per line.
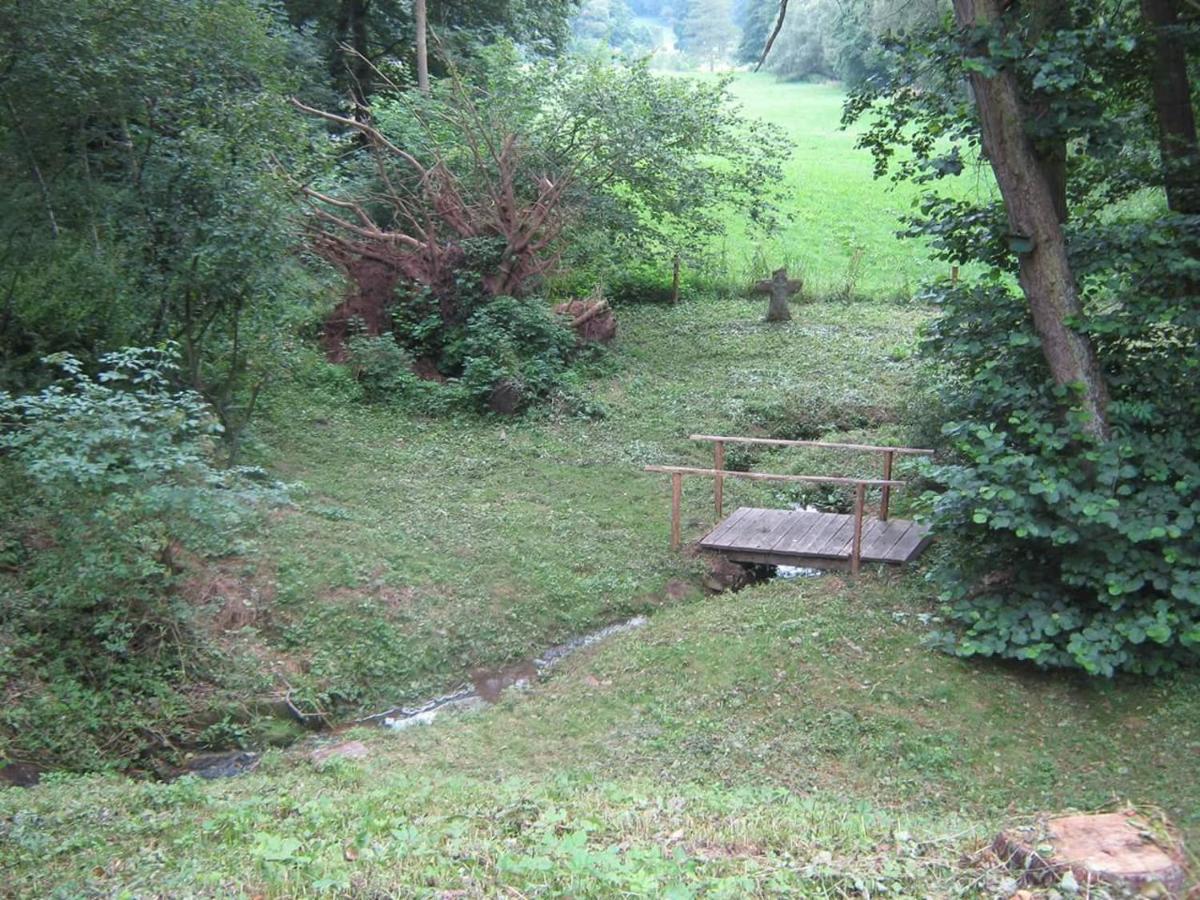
(803,537)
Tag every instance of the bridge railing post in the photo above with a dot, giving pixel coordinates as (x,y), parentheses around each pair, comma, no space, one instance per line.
(676,515)
(719,480)
(888,457)
(860,496)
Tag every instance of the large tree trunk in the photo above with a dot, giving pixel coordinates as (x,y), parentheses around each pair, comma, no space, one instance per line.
(421,21)
(1029,199)
(1173,105)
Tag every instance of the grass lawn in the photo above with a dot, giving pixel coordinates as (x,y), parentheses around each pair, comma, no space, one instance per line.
(421,548)
(794,737)
(842,235)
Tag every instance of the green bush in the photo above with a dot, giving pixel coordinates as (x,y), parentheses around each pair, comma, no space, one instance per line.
(1069,551)
(514,352)
(107,479)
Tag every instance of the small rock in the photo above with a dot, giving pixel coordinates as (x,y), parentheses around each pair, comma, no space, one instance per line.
(677,590)
(19,774)
(348,750)
(725,575)
(222,765)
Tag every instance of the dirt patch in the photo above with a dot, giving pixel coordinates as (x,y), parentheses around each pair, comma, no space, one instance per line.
(427,370)
(237,595)
(20,774)
(711,851)
(365,307)
(391,599)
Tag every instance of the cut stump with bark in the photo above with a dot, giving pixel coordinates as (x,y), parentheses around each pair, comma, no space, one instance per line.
(780,289)
(592,319)
(1121,850)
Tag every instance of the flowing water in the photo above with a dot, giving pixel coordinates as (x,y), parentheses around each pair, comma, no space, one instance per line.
(487,685)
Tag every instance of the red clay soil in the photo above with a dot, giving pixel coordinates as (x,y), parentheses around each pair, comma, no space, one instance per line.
(372,288)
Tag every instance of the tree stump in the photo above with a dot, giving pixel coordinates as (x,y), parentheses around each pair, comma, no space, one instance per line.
(1121,850)
(592,319)
(780,289)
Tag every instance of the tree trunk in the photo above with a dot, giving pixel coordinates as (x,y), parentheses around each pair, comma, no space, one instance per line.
(1029,199)
(421,20)
(1173,105)
(352,54)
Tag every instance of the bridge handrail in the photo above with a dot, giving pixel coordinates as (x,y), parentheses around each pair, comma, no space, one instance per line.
(766,476)
(719,473)
(779,442)
(889,455)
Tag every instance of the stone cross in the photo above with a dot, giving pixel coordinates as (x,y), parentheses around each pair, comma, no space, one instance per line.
(781,290)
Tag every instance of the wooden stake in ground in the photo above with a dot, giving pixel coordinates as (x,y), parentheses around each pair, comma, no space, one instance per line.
(780,288)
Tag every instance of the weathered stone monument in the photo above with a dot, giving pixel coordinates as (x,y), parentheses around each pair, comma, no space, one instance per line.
(780,289)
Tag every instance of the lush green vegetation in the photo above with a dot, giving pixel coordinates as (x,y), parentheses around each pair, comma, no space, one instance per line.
(364,460)
(1072,401)
(841,236)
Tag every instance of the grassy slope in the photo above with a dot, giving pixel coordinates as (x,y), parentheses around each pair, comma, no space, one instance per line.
(794,735)
(424,547)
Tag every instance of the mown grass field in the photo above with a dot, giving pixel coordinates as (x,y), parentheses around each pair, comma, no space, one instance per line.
(794,737)
(841,236)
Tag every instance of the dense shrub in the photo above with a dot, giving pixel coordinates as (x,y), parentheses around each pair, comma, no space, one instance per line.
(1067,541)
(1070,551)
(508,355)
(107,479)
(514,352)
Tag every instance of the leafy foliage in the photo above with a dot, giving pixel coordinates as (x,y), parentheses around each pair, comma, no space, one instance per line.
(515,347)
(1070,550)
(1074,553)
(833,39)
(107,479)
(138,202)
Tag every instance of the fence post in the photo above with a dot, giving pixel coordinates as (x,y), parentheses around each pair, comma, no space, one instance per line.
(676,498)
(719,480)
(860,493)
(888,455)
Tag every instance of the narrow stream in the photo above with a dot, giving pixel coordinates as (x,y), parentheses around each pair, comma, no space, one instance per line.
(487,685)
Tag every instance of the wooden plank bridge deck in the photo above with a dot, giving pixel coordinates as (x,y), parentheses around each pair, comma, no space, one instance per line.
(800,537)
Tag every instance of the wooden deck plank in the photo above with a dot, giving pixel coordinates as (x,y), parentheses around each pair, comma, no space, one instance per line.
(837,543)
(886,538)
(760,532)
(818,536)
(803,522)
(742,529)
(722,527)
(794,537)
(911,545)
